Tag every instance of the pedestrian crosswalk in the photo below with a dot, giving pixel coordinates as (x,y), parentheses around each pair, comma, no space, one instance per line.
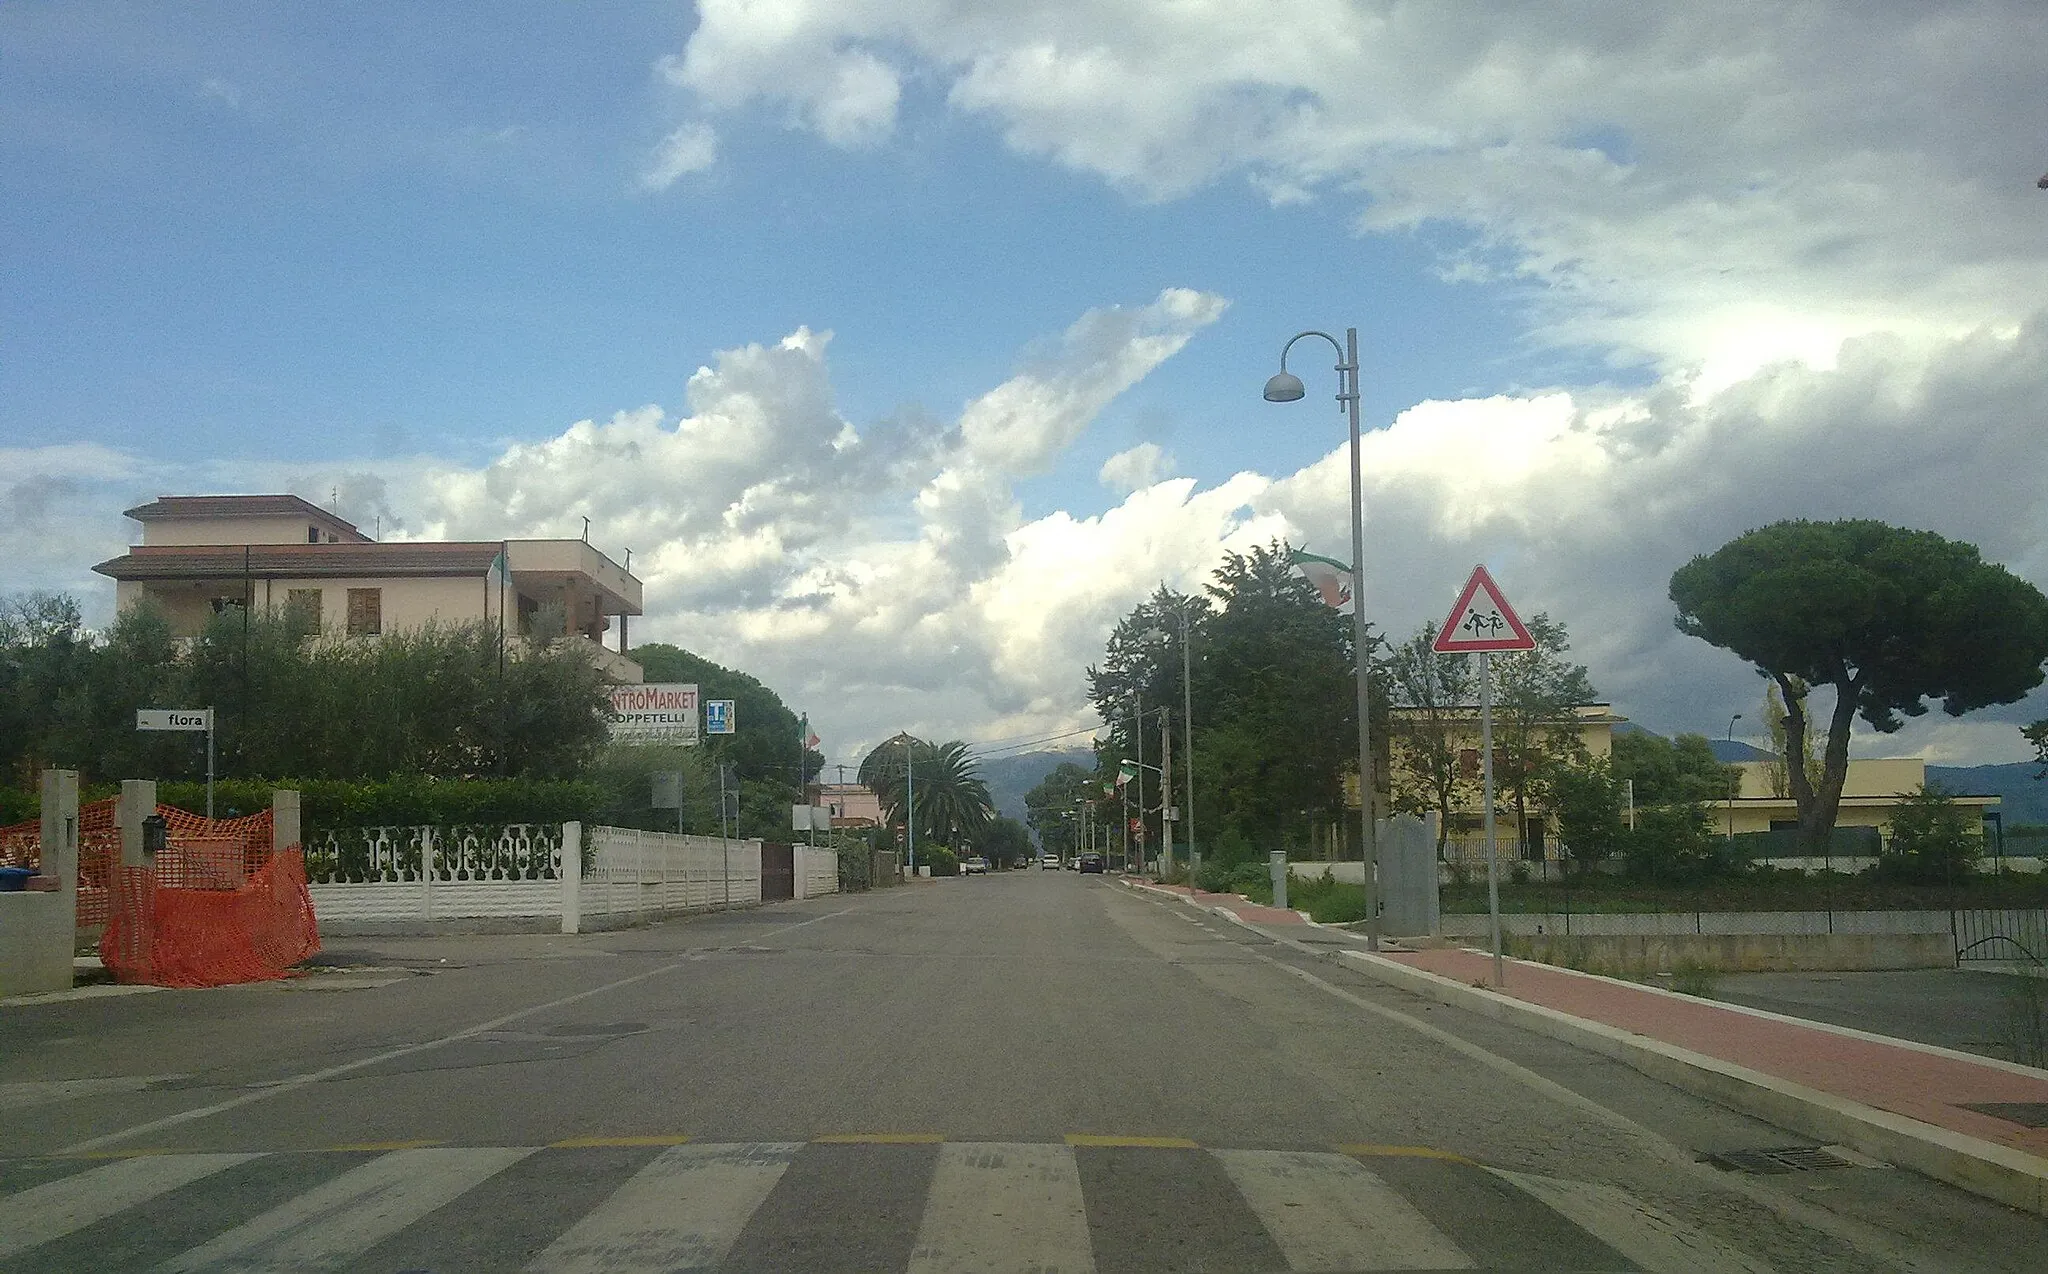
(848,1204)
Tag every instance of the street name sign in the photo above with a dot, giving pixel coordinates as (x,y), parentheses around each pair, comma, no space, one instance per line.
(196,720)
(1482,621)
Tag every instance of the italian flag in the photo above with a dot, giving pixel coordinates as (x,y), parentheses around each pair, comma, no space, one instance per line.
(1330,578)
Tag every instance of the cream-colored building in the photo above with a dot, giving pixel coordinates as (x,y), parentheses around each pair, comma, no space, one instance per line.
(201,555)
(1593,723)
(1870,791)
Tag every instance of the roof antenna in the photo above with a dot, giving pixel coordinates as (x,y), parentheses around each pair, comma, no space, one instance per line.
(586,530)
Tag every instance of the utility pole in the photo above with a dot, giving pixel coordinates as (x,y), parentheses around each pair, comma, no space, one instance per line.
(1166,789)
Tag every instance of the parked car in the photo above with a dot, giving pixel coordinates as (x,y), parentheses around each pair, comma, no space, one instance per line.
(975,866)
(1049,862)
(1090,863)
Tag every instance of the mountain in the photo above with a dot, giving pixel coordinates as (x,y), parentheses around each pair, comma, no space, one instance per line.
(2025,798)
(1010,777)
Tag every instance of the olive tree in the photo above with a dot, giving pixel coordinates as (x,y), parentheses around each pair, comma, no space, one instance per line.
(1888,617)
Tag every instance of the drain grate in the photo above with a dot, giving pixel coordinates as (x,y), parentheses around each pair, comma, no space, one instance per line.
(2027,1114)
(1787,1159)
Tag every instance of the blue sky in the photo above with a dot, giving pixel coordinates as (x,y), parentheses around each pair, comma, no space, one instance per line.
(1635,267)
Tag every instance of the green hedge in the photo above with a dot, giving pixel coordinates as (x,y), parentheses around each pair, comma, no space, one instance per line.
(335,803)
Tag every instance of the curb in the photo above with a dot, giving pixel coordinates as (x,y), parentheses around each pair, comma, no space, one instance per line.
(2012,1177)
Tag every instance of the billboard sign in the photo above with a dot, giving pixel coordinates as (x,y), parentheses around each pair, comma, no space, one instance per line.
(664,712)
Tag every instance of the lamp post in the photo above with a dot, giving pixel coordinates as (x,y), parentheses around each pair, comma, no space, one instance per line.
(1187,736)
(1731,791)
(1285,387)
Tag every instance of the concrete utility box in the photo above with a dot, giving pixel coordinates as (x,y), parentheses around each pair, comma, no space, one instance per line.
(37,927)
(1408,884)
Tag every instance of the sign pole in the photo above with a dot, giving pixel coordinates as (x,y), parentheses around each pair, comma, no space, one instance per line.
(209,762)
(1486,773)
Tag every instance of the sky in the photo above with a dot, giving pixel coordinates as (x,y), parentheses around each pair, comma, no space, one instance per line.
(909,344)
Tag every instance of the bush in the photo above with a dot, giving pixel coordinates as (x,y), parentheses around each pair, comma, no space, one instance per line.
(942,861)
(1933,838)
(329,804)
(1673,843)
(18,807)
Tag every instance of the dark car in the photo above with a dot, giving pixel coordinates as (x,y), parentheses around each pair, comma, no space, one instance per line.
(1091,862)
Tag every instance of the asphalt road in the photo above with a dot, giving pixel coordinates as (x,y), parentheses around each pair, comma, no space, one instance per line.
(1020,1071)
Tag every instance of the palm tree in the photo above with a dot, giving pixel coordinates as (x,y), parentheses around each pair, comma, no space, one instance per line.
(952,800)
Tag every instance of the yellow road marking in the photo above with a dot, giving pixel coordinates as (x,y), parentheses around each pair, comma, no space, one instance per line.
(385,1145)
(1155,1143)
(880,1139)
(1399,1152)
(659,1139)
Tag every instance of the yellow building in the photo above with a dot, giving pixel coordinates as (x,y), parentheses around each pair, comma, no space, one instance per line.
(201,555)
(1870,791)
(1593,724)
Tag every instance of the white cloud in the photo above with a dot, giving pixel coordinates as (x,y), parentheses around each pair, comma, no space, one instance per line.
(881,575)
(1139,467)
(221,91)
(691,148)
(1719,185)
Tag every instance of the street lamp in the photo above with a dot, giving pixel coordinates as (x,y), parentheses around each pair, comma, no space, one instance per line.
(1731,791)
(1286,387)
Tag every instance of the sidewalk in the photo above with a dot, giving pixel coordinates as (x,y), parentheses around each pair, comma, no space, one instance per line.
(1898,1100)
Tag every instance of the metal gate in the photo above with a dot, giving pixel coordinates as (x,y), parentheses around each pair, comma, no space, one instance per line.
(1984,933)
(778,872)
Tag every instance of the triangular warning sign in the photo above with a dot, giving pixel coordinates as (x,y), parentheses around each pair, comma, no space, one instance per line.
(1482,620)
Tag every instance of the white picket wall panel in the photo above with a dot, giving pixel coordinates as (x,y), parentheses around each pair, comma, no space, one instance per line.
(515,872)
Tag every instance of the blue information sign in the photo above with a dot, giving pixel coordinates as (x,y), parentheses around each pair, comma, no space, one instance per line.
(718,716)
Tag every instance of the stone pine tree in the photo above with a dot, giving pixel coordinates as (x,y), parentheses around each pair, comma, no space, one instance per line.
(1889,618)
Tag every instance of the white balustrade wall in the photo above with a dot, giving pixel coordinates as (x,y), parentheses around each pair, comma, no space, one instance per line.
(393,877)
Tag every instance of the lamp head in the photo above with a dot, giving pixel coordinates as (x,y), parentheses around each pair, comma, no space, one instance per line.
(1284,387)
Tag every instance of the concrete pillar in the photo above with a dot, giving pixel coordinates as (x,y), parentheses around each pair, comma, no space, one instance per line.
(38,927)
(138,801)
(284,819)
(60,841)
(572,877)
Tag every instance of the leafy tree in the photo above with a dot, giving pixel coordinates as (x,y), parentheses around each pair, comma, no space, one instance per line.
(1933,838)
(1142,663)
(1887,617)
(1781,746)
(1048,805)
(2037,735)
(1005,842)
(1673,842)
(1535,723)
(1672,771)
(1586,799)
(767,742)
(1436,693)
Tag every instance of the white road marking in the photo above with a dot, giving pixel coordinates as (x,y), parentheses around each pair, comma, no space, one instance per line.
(278,1087)
(681,1212)
(1329,1212)
(333,1223)
(1652,1239)
(42,1092)
(35,1216)
(1004,1208)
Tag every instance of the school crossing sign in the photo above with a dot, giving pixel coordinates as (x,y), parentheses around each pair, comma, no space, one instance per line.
(1482,621)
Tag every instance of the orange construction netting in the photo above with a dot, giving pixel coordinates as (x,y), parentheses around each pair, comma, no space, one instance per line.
(217,907)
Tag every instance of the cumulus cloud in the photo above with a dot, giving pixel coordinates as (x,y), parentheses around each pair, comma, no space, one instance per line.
(1140,466)
(691,148)
(881,573)
(1718,186)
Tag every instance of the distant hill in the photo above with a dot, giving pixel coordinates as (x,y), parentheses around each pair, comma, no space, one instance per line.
(2025,798)
(1010,777)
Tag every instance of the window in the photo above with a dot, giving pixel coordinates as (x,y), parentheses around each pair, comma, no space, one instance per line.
(312,535)
(304,604)
(365,612)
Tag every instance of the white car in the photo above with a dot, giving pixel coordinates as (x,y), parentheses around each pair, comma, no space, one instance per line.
(975,866)
(1050,862)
